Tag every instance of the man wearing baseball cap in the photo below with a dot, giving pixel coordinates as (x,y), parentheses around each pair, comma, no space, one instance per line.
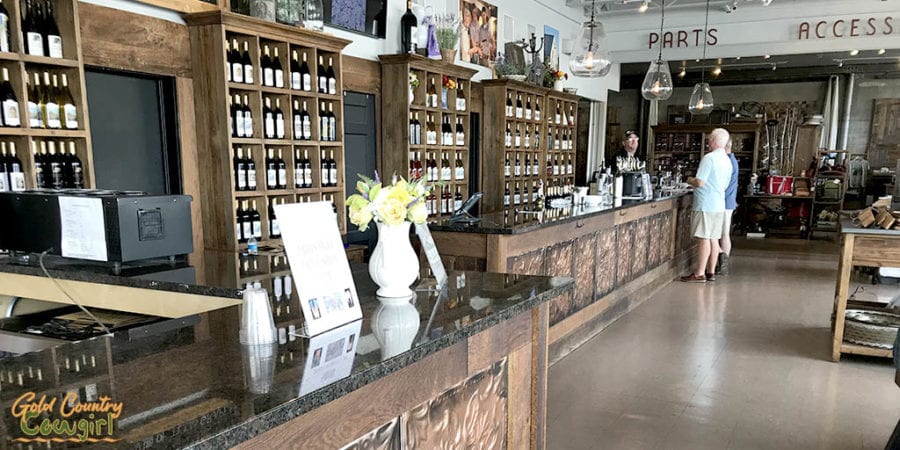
(629,148)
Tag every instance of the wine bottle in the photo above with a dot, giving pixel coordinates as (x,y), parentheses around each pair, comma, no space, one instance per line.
(307,170)
(323,123)
(409,30)
(40,170)
(237,118)
(242,230)
(507,168)
(324,177)
(274,227)
(51,107)
(297,121)
(527,165)
(558,114)
(271,170)
(509,105)
(5,182)
(322,77)
(16,174)
(282,171)
(305,76)
(51,32)
(255,221)
(434,173)
(460,172)
(268,119)
(528,107)
(506,195)
(517,195)
(508,136)
(417,130)
(266,72)
(332,123)
(57,179)
(537,111)
(277,70)
(536,168)
(251,170)
(296,77)
(332,78)
(517,169)
(248,118)
(432,95)
(460,133)
(446,132)
(432,204)
(420,171)
(4,28)
(34,40)
(228,56)
(332,170)
(279,120)
(35,120)
(412,132)
(10,103)
(247,64)
(518,107)
(236,62)
(446,201)
(299,181)
(460,97)
(518,138)
(457,200)
(446,168)
(306,122)
(527,141)
(67,110)
(240,170)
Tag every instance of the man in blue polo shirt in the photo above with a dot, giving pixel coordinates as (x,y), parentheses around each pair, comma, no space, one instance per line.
(708,217)
(730,206)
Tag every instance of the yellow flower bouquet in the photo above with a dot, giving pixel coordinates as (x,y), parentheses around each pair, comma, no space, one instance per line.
(400,201)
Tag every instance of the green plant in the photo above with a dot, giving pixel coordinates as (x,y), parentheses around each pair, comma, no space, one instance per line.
(550,75)
(504,68)
(447,31)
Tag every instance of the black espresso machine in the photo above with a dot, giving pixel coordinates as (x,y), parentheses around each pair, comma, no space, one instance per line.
(635,185)
(108,226)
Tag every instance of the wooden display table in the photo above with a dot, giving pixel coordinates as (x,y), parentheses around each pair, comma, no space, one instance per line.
(866,247)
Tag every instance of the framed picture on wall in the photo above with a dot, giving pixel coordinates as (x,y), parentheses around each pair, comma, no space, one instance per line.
(478,37)
(551,46)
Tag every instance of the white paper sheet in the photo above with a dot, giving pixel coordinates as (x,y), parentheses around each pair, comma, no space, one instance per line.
(319,265)
(432,254)
(83,228)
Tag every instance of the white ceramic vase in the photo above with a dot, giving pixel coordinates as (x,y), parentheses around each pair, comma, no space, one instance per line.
(395,325)
(393,265)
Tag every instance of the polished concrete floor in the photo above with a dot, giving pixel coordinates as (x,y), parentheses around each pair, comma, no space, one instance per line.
(742,363)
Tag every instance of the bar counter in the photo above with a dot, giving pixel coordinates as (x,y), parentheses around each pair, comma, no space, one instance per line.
(190,383)
(618,255)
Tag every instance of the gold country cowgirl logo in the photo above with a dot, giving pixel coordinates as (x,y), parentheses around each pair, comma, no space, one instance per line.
(61,419)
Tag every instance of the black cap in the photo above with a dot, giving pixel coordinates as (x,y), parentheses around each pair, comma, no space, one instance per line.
(630,132)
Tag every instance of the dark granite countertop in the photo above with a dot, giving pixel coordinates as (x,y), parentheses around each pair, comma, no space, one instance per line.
(848,227)
(192,384)
(518,220)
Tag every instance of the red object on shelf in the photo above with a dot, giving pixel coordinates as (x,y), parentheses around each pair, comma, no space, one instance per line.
(780,185)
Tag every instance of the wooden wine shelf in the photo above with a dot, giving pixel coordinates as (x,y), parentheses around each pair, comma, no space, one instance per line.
(396,110)
(209,31)
(52,62)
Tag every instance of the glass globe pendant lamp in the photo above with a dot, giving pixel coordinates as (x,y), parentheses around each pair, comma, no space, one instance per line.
(590,55)
(702,98)
(658,83)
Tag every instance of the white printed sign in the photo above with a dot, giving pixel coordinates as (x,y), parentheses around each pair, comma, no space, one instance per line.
(83,230)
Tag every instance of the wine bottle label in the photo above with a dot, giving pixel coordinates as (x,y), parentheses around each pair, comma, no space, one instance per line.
(237,73)
(241,180)
(71,116)
(34,115)
(517,199)
(325,176)
(282,176)
(270,126)
(53,115)
(239,124)
(296,81)
(323,83)
(519,112)
(537,114)
(307,82)
(247,230)
(518,141)
(333,176)
(4,182)
(460,139)
(17,181)
(506,170)
(4,33)
(248,74)
(307,176)
(268,76)
(248,126)
(257,229)
(279,78)
(332,86)
(271,178)
(298,128)
(457,204)
(332,128)
(506,199)
(518,170)
(307,128)
(276,228)
(11,113)
(298,177)
(528,114)
(460,173)
(251,179)
(35,44)
(54,44)
(279,127)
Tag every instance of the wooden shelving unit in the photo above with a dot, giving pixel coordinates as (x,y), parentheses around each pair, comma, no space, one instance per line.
(549,141)
(214,92)
(686,144)
(398,148)
(22,65)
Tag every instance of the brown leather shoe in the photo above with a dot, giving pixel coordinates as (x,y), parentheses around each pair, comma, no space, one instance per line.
(693,278)
(710,276)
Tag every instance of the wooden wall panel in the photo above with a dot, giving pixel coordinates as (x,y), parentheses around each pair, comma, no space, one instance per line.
(122,40)
(361,75)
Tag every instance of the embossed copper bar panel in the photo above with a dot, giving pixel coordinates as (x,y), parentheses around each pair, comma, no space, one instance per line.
(585,249)
(559,260)
(385,437)
(605,274)
(640,246)
(625,254)
(531,263)
(472,414)
(561,307)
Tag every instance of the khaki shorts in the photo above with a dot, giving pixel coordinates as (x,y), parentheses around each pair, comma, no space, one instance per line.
(707,225)
(726,229)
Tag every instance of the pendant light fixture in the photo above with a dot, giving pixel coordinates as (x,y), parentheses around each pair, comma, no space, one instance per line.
(701,98)
(658,81)
(590,55)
